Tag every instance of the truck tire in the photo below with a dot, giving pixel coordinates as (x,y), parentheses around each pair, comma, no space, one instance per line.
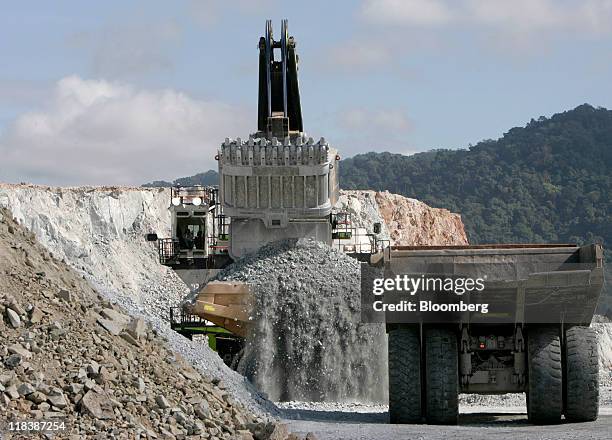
(441,376)
(545,387)
(582,375)
(404,376)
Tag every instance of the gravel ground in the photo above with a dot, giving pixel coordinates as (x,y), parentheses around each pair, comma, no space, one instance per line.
(475,426)
(363,421)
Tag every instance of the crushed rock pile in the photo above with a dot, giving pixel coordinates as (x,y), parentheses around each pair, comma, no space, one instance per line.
(99,232)
(68,354)
(307,341)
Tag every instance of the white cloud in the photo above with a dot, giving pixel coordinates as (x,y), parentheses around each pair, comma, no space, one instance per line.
(99,132)
(506,27)
(587,16)
(418,12)
(532,16)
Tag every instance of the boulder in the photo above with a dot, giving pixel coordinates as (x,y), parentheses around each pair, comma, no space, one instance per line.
(18,349)
(25,389)
(58,400)
(137,328)
(13,318)
(202,410)
(162,402)
(113,327)
(13,361)
(114,315)
(97,405)
(65,295)
(36,315)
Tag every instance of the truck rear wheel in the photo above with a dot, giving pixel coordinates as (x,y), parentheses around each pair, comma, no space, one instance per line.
(582,375)
(404,376)
(545,389)
(441,376)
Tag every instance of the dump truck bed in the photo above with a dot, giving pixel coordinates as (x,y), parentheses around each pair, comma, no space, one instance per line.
(525,282)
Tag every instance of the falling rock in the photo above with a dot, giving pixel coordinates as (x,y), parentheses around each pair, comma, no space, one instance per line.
(97,405)
(13,318)
(140,384)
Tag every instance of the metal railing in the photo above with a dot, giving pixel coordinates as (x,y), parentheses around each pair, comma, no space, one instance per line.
(168,249)
(373,246)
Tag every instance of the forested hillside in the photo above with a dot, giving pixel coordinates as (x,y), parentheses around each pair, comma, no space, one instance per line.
(550,181)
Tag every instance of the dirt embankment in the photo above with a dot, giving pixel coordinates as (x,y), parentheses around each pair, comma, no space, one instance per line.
(68,354)
(404,221)
(411,222)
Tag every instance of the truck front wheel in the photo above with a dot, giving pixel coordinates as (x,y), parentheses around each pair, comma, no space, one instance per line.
(582,375)
(545,389)
(441,376)
(404,375)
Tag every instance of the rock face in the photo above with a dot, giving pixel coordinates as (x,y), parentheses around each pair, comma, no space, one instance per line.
(412,222)
(404,221)
(100,232)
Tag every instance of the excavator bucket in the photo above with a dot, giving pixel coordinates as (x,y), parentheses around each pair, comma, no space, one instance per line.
(224,303)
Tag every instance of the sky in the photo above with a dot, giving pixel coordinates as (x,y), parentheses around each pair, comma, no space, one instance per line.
(122,93)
